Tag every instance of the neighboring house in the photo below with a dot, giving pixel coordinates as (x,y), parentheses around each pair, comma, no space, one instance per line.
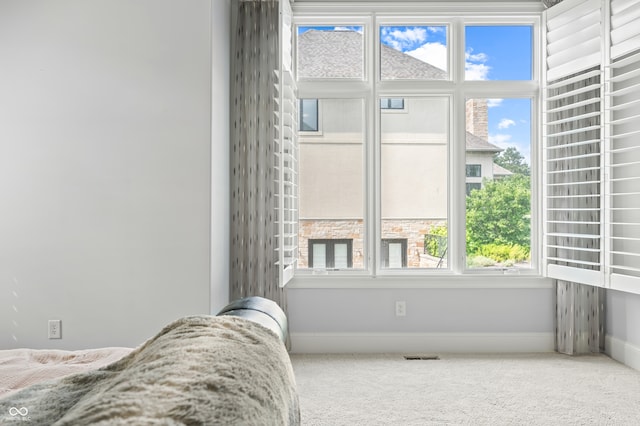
(414,152)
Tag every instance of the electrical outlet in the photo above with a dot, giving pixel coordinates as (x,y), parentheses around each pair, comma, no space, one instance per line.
(55,331)
(401,308)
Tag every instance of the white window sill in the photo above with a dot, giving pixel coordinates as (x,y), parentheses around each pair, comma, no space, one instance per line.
(507,281)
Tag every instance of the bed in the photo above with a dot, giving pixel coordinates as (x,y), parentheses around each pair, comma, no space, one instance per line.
(229,369)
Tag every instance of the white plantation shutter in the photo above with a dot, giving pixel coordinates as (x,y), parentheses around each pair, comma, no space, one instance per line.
(573,142)
(286,153)
(625,26)
(573,37)
(623,153)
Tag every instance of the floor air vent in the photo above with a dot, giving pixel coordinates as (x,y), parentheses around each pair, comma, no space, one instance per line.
(421,357)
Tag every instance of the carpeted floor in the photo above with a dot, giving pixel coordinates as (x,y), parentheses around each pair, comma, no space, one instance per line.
(513,389)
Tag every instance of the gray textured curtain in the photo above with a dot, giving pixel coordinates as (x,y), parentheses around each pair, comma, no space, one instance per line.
(254,271)
(579,318)
(574,209)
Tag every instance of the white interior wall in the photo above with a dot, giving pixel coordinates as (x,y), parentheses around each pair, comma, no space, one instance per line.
(220,185)
(105,167)
(455,314)
(622,324)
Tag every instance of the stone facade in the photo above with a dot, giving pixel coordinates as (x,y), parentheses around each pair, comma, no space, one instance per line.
(477,118)
(413,230)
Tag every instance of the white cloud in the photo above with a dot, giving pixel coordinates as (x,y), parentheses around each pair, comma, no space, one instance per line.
(476,71)
(403,39)
(356,29)
(494,102)
(500,139)
(478,57)
(431,53)
(475,67)
(505,123)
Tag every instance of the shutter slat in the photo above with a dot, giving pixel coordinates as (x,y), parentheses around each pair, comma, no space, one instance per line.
(625,31)
(573,37)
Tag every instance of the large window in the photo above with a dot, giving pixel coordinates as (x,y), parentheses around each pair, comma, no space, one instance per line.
(397,186)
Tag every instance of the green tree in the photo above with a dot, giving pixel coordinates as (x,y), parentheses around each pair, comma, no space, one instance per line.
(500,213)
(512,160)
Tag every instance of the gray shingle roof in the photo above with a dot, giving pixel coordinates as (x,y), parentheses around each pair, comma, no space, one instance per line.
(476,144)
(339,54)
(500,171)
(397,65)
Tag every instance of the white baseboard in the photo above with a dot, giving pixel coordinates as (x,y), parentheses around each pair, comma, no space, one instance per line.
(421,342)
(622,351)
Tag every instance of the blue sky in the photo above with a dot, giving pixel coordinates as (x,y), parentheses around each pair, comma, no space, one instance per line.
(492,53)
(503,53)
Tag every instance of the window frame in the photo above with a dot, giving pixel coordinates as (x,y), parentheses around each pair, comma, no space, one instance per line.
(330,253)
(372,88)
(390,108)
(471,186)
(318,130)
(384,252)
(477,167)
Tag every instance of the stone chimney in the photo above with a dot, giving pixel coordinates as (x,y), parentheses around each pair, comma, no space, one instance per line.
(477,120)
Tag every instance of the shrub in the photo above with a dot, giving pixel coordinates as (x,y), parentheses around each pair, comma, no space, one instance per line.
(435,241)
(499,213)
(504,252)
(479,262)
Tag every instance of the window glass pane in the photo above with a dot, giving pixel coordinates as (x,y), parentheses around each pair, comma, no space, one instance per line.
(340,253)
(395,255)
(308,115)
(474,170)
(498,203)
(392,103)
(498,52)
(319,256)
(330,52)
(331,178)
(414,158)
(413,52)
(472,187)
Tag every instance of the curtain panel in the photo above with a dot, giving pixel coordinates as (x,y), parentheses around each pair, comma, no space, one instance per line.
(254,270)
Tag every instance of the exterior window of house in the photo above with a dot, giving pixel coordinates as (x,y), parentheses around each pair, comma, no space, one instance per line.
(308,113)
(393,184)
(472,187)
(392,103)
(330,254)
(394,253)
(474,170)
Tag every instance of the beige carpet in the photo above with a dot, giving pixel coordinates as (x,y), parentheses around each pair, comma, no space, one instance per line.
(514,389)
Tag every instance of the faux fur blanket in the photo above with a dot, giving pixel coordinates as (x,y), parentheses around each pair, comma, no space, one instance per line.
(20,368)
(199,370)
